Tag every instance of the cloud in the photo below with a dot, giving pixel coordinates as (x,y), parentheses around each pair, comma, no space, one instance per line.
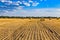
(15,9)
(19,2)
(9,12)
(9,6)
(2,0)
(30,1)
(8,2)
(35,12)
(26,3)
(43,0)
(35,4)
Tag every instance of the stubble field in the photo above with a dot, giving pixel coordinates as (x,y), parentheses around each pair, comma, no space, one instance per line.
(29,29)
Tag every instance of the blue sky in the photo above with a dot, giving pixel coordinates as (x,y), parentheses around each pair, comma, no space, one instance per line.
(30,7)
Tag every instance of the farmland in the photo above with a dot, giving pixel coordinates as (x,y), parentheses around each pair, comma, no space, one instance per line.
(29,29)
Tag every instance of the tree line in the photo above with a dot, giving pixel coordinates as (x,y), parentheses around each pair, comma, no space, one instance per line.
(25,17)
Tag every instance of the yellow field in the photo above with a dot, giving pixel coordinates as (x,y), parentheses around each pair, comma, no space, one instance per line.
(29,29)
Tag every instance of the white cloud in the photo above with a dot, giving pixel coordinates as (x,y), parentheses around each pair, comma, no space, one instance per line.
(35,4)
(8,2)
(43,0)
(2,0)
(30,1)
(5,1)
(9,12)
(36,12)
(19,2)
(40,12)
(15,3)
(33,12)
(58,10)
(26,3)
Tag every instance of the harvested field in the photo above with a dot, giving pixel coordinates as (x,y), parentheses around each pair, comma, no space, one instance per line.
(29,29)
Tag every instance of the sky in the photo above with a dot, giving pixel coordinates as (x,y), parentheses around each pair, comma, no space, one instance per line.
(30,8)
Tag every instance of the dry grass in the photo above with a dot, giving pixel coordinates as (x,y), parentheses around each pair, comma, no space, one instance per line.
(10,28)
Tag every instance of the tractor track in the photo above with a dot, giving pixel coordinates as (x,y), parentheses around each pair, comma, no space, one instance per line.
(36,30)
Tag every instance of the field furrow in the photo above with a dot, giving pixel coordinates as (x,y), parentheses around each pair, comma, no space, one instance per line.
(33,29)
